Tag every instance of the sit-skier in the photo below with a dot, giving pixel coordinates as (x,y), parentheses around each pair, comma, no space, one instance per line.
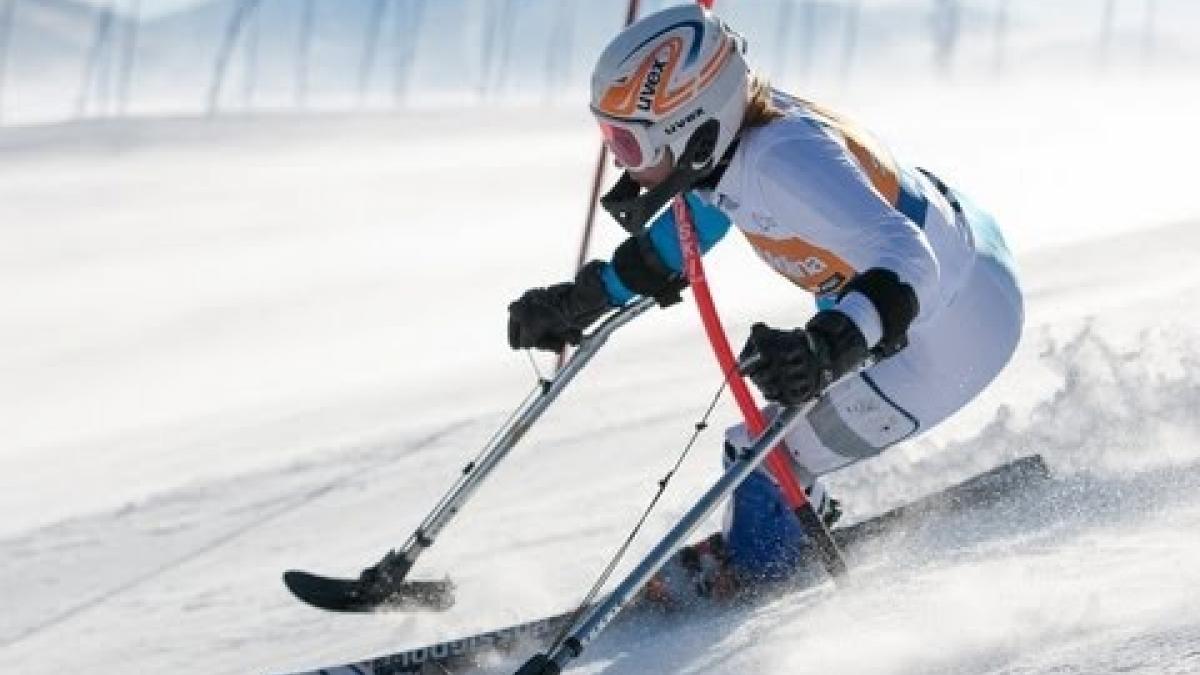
(903,267)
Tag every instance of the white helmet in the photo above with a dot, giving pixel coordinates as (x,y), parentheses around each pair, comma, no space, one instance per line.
(674,79)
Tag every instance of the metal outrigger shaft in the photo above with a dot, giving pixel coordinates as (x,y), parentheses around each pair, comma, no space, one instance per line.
(397,563)
(600,615)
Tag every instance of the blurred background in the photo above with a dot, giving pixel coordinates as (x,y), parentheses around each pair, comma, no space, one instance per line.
(255,259)
(70,59)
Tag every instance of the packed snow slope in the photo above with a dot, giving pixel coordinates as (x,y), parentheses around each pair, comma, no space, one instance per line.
(236,346)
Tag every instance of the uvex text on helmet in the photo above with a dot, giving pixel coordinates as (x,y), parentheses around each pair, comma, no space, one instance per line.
(662,78)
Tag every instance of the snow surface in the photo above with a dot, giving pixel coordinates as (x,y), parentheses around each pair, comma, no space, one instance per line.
(230,347)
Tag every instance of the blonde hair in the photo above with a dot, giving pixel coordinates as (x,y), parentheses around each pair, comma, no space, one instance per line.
(760,109)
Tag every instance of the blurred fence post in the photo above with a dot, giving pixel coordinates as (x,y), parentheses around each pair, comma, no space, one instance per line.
(250,55)
(495,45)
(225,49)
(1149,32)
(370,46)
(783,28)
(407,36)
(487,46)
(1106,32)
(559,47)
(947,24)
(808,36)
(129,55)
(7,17)
(97,58)
(1000,37)
(303,49)
(850,39)
(507,23)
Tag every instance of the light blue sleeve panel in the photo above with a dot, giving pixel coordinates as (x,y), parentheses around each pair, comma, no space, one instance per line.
(711,225)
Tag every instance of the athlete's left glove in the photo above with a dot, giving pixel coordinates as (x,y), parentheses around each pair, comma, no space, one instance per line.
(551,318)
(794,366)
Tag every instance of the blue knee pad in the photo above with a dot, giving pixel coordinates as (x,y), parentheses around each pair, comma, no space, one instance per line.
(764,541)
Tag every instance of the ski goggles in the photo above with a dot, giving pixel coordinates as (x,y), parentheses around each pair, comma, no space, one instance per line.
(630,141)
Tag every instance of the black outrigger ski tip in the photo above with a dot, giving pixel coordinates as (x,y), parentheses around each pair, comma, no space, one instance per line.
(355,595)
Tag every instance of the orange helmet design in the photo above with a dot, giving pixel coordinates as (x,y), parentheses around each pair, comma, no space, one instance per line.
(665,76)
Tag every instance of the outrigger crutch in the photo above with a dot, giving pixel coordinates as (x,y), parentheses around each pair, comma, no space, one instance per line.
(384,583)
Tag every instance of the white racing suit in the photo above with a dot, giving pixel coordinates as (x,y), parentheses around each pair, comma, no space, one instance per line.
(821,201)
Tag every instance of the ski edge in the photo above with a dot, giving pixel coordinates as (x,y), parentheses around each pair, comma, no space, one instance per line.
(449,656)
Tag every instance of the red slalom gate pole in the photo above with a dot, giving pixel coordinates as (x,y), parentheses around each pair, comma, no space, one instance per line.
(777,462)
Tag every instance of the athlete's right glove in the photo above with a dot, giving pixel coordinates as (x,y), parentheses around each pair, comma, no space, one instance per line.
(791,367)
(551,318)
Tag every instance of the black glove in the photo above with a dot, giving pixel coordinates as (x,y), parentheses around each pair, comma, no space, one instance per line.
(552,317)
(794,366)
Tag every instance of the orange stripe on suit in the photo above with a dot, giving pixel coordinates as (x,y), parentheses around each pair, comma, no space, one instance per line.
(810,267)
(872,157)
